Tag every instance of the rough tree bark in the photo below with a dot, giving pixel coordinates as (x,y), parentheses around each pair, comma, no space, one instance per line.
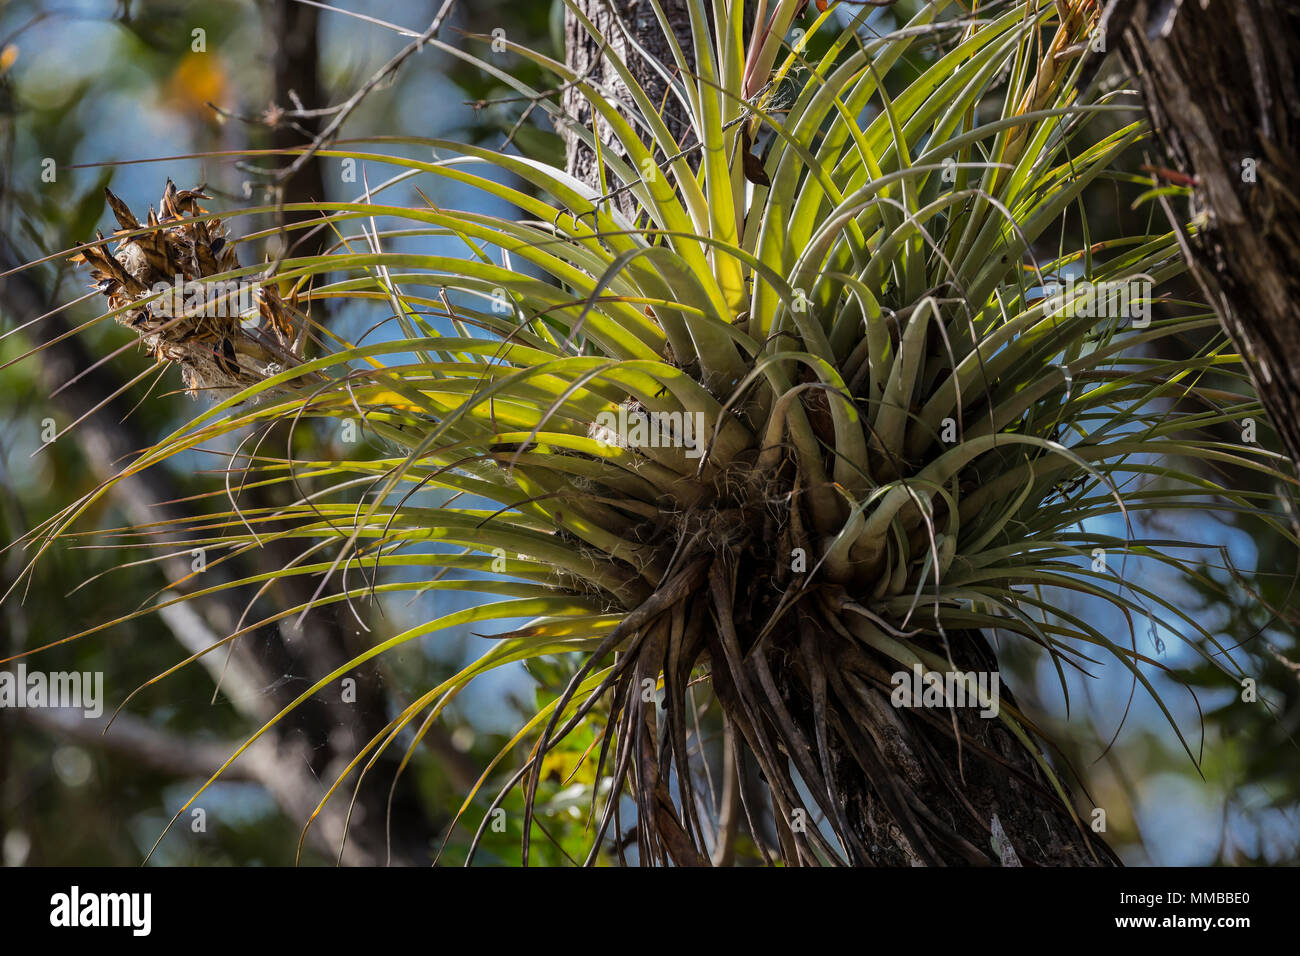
(1220,79)
(615,21)
(954,809)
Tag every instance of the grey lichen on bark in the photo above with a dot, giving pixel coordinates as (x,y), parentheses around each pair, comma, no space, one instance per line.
(630,30)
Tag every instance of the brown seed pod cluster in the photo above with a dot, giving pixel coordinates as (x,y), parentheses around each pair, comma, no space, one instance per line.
(174,278)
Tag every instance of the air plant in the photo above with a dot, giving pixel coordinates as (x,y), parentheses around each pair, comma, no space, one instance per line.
(902,437)
(159,282)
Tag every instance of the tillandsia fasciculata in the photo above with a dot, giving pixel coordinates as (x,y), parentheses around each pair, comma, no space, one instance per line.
(797,421)
(177,282)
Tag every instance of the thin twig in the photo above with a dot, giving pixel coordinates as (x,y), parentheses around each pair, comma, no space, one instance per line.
(345,110)
(328,133)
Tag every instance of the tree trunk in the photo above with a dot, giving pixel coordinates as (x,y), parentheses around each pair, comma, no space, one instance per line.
(296,73)
(1220,79)
(616,20)
(927,804)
